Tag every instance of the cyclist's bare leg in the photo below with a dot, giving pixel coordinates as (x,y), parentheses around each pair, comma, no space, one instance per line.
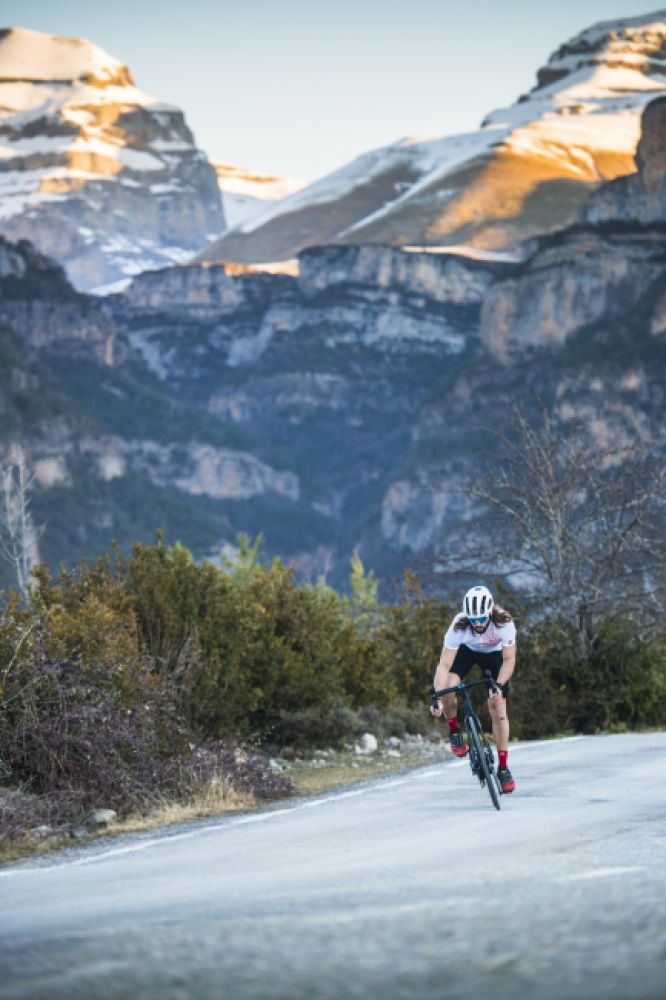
(500,721)
(450,701)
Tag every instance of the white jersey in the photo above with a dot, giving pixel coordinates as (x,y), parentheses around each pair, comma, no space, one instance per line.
(495,637)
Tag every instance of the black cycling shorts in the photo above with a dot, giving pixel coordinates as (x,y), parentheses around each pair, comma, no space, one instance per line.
(466,658)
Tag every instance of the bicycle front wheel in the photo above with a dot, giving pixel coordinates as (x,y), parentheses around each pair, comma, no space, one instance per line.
(483,763)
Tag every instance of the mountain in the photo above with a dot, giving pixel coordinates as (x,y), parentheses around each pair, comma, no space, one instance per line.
(325,406)
(94,172)
(245,192)
(528,169)
(367,373)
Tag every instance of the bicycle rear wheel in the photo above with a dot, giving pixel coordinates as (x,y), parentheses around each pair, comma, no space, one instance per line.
(486,773)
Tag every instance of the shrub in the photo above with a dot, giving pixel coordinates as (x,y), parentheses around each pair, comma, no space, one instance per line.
(81,730)
(559,687)
(538,704)
(86,614)
(252,653)
(77,735)
(395,718)
(621,682)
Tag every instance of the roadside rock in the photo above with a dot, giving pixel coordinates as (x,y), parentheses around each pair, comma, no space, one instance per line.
(366,746)
(100,819)
(41,832)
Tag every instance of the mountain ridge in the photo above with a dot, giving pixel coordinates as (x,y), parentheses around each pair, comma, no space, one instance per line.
(527,170)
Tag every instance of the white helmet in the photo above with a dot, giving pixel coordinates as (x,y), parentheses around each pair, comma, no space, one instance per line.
(478,601)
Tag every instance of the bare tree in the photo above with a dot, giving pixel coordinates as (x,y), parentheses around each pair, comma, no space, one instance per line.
(578,525)
(18,535)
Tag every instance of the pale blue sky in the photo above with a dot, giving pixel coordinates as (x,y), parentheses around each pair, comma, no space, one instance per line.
(299,88)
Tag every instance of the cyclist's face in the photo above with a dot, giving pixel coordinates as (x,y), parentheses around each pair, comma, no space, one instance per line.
(478,622)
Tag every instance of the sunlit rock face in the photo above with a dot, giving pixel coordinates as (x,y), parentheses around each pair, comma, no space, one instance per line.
(642,196)
(611,263)
(573,281)
(97,174)
(527,170)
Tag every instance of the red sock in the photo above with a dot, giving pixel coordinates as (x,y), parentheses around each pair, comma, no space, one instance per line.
(503,757)
(453,723)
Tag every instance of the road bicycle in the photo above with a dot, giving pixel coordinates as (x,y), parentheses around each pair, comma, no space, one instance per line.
(481,757)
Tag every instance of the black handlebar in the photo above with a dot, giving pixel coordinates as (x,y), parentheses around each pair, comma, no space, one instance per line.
(488,681)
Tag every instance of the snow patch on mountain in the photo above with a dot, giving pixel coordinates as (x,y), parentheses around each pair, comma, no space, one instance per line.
(34,56)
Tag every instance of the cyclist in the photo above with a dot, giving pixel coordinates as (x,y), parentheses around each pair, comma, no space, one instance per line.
(485,634)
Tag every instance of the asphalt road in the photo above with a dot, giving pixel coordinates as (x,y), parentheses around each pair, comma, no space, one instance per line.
(409,887)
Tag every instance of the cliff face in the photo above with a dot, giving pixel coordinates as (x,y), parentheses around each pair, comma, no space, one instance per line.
(324,369)
(95,173)
(599,271)
(578,326)
(40,305)
(256,402)
(587,276)
(113,454)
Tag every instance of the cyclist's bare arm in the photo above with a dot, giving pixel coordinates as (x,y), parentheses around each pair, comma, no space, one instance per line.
(506,670)
(508,664)
(441,675)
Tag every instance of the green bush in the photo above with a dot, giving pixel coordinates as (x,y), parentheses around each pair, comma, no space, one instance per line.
(558,687)
(253,653)
(249,653)
(620,684)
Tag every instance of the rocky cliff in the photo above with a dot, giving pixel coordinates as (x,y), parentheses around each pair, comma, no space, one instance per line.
(641,197)
(606,268)
(94,172)
(578,327)
(40,305)
(324,370)
(113,453)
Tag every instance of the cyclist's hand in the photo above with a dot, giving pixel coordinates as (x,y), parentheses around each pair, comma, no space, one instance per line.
(496,691)
(437,708)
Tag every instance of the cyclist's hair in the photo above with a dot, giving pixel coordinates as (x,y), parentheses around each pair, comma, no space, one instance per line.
(498,616)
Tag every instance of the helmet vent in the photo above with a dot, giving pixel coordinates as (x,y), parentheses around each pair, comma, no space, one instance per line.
(478,601)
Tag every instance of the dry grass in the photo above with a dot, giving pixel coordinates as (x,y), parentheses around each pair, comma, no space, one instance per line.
(16,849)
(215,801)
(347,769)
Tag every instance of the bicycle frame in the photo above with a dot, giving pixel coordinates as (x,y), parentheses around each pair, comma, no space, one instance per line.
(481,759)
